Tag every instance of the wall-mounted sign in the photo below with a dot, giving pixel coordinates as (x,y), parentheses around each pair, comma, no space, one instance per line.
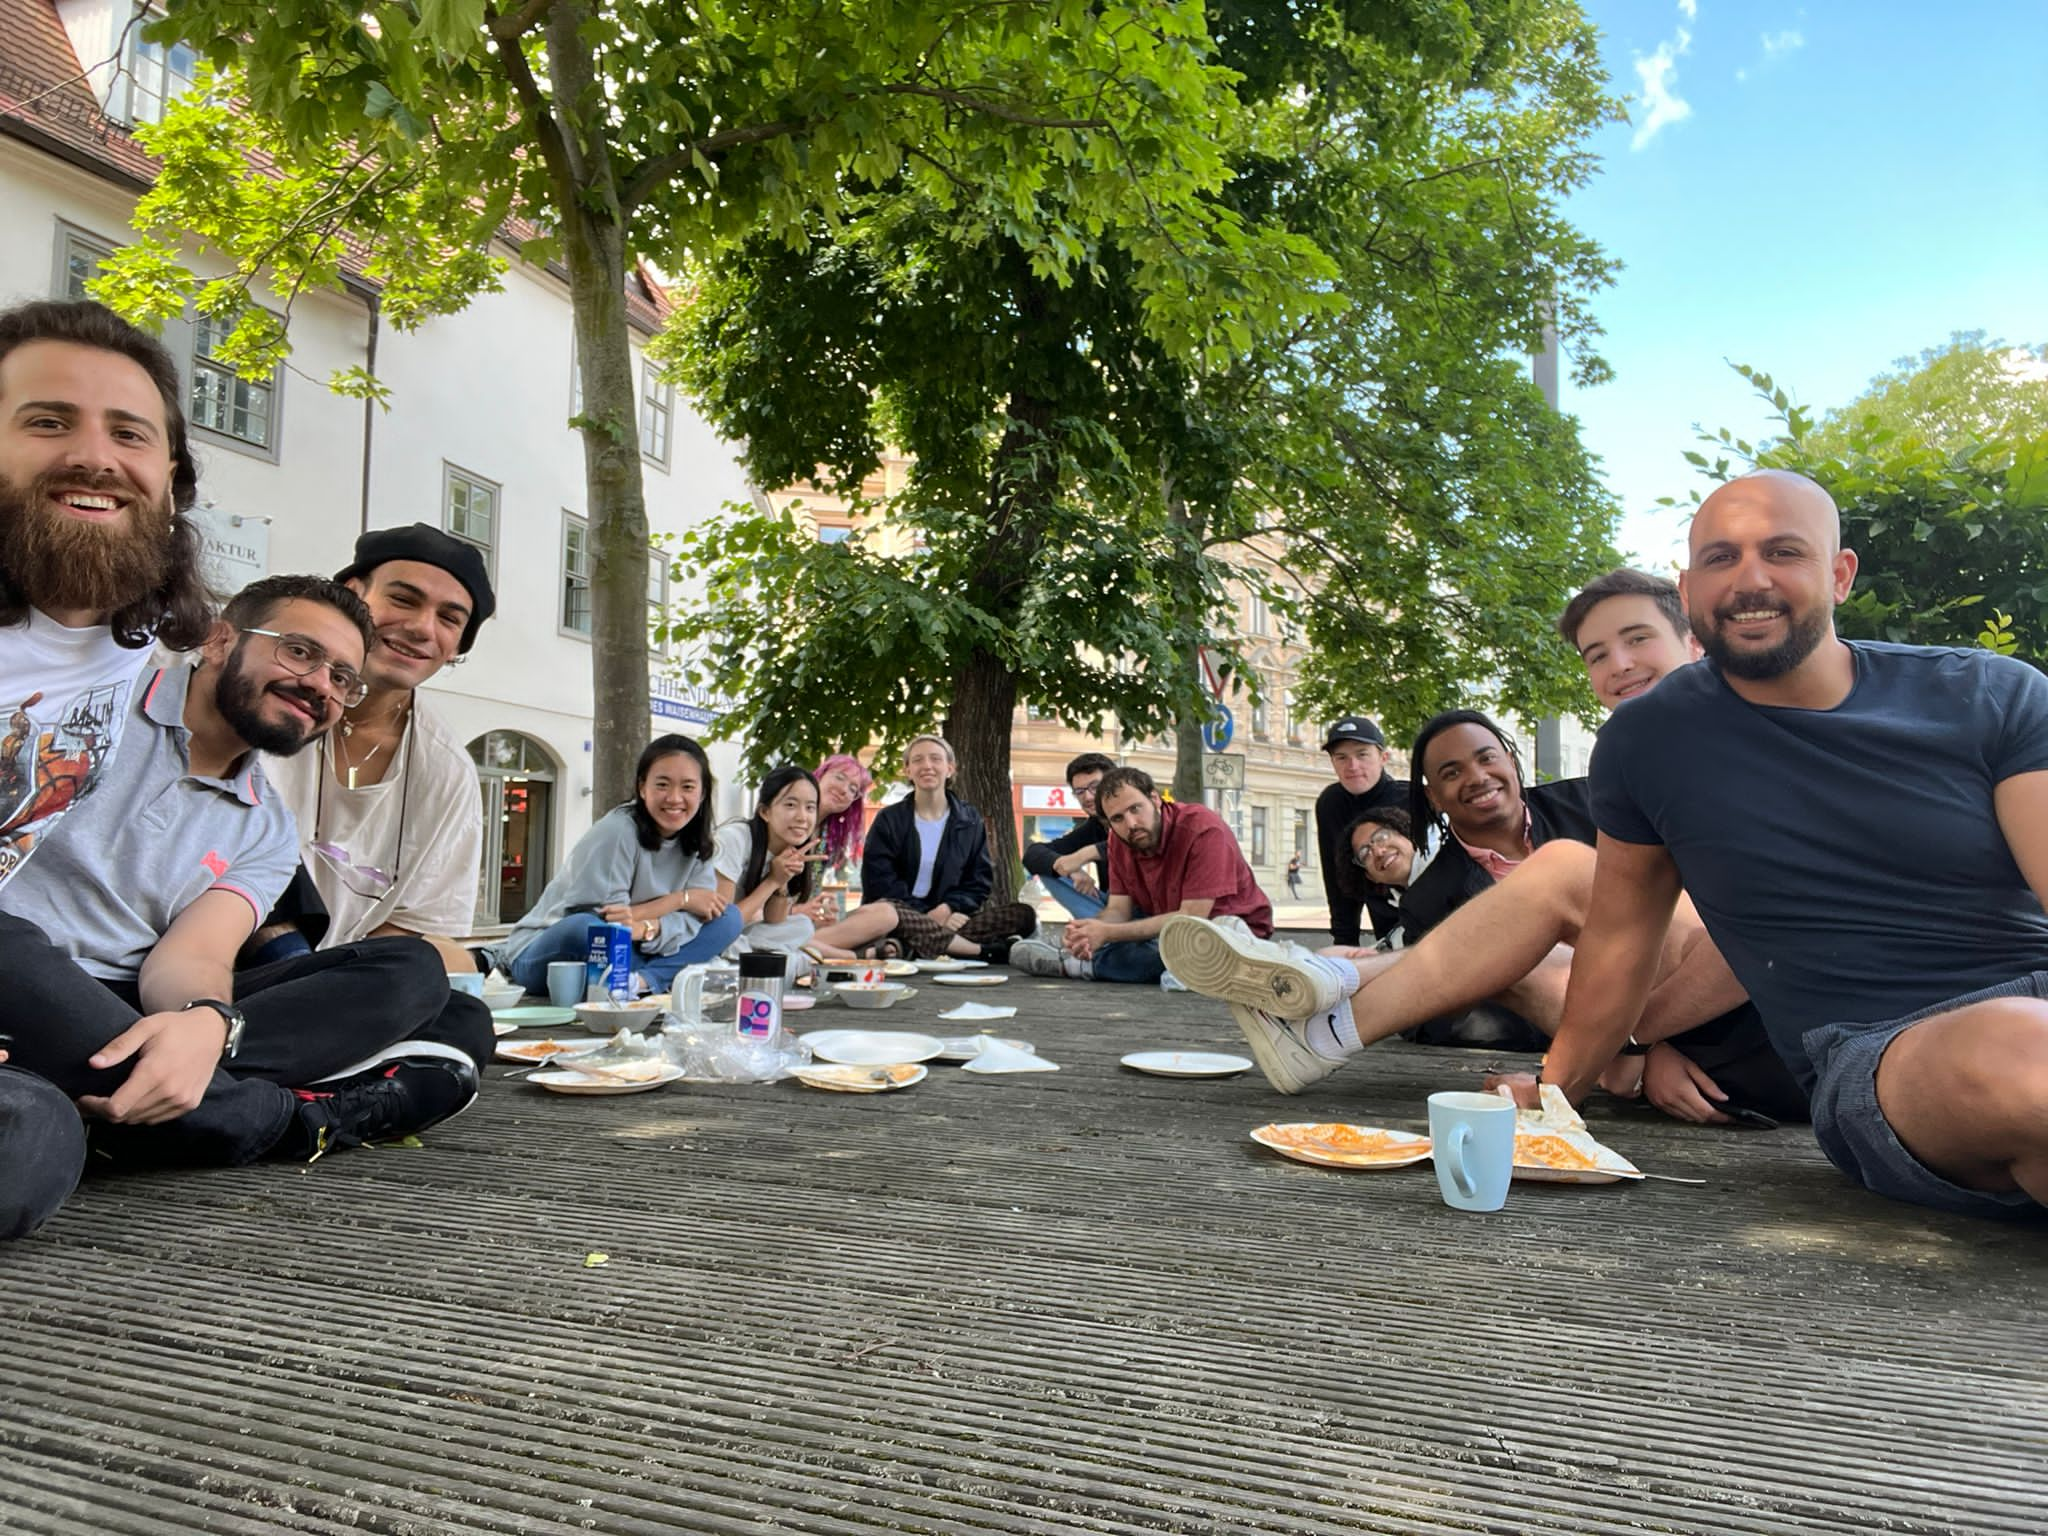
(234,550)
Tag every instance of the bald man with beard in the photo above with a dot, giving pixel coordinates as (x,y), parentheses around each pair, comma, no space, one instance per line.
(1863,828)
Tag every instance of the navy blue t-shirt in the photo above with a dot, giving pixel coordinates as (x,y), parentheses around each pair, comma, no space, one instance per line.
(1848,861)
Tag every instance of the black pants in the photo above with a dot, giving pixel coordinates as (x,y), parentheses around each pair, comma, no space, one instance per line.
(42,1151)
(310,1017)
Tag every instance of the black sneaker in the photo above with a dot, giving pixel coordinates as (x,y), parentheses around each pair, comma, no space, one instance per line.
(387,1104)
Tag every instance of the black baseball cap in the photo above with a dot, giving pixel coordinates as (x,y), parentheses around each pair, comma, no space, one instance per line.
(430,546)
(1354,728)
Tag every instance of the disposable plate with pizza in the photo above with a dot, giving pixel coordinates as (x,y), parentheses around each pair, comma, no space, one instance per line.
(1335,1145)
(1553,1146)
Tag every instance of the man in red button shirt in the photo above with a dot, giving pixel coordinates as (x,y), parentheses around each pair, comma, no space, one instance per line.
(1164,860)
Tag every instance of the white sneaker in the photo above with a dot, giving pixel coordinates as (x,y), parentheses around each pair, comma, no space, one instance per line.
(1219,960)
(1281,1049)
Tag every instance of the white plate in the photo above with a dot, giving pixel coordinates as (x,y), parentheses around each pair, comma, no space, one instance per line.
(1402,1149)
(610,1017)
(967,1047)
(531,1052)
(858,1079)
(946,963)
(572,1081)
(1187,1063)
(536,1016)
(500,1028)
(871,1047)
(977,980)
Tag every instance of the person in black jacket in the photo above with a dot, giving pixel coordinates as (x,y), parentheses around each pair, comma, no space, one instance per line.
(927,856)
(1074,867)
(1358,756)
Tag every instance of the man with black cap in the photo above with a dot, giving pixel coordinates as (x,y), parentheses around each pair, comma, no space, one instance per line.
(390,818)
(1358,754)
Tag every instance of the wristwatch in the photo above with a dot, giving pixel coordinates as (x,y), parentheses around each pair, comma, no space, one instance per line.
(237,1022)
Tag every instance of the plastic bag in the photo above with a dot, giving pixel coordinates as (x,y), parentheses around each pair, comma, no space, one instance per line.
(713,1053)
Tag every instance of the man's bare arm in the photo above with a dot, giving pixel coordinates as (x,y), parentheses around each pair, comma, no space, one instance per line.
(2021,803)
(1635,888)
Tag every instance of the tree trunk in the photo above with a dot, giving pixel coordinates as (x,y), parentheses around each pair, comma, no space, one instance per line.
(594,249)
(1190,715)
(1022,484)
(978,725)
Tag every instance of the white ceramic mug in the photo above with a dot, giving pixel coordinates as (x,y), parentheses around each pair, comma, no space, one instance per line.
(1472,1139)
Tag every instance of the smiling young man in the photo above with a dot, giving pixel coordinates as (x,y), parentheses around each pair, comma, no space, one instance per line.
(1503,935)
(1163,859)
(1793,785)
(132,1006)
(389,815)
(1074,866)
(97,561)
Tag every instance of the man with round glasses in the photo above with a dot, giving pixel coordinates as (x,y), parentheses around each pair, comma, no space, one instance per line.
(390,819)
(159,878)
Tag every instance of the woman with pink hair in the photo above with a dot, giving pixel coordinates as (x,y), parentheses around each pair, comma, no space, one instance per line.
(842,809)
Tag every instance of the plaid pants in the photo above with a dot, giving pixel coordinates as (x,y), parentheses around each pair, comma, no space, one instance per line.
(925,938)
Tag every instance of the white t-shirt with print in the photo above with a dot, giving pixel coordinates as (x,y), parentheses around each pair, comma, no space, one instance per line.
(64,697)
(422,824)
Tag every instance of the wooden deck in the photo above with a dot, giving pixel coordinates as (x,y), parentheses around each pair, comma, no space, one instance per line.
(1072,1302)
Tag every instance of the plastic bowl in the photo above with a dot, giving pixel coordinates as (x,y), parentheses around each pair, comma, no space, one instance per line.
(871,994)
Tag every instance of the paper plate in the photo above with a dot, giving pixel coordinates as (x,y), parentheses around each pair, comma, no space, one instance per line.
(899,968)
(945,963)
(500,1028)
(1553,1158)
(536,1016)
(1187,1063)
(631,1077)
(1335,1145)
(853,1079)
(871,1047)
(972,979)
(534,1051)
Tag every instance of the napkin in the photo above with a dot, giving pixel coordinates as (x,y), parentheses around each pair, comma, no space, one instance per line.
(996,1056)
(978,1011)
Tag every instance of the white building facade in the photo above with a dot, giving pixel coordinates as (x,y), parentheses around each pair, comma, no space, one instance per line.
(476,439)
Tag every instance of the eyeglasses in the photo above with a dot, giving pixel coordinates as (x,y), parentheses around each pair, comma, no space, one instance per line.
(1386,837)
(302,658)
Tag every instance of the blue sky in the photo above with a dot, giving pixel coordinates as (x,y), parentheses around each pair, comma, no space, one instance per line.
(1816,190)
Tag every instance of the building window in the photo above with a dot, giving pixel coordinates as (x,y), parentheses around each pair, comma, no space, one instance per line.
(78,262)
(1262,619)
(222,400)
(657,601)
(1304,845)
(1260,722)
(151,75)
(575,574)
(1258,834)
(834,533)
(657,415)
(470,510)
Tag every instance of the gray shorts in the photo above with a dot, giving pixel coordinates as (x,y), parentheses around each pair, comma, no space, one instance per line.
(1852,1130)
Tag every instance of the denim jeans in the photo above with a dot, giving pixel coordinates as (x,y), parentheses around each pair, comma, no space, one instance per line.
(569,939)
(1064,891)
(1133,960)
(42,1150)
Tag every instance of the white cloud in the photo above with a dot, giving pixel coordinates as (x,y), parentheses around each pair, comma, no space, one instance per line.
(1689,9)
(1777,44)
(1662,105)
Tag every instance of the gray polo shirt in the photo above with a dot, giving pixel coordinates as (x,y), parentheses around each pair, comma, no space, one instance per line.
(151,839)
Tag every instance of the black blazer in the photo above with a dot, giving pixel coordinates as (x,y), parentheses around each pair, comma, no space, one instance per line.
(1344,883)
(962,876)
(1563,808)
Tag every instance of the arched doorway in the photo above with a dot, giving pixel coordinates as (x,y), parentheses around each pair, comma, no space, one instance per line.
(517,775)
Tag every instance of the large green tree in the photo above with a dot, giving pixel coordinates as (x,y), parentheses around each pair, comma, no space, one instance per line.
(1941,475)
(1086,480)
(597,130)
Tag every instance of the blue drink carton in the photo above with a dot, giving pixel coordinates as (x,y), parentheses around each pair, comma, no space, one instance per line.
(608,968)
